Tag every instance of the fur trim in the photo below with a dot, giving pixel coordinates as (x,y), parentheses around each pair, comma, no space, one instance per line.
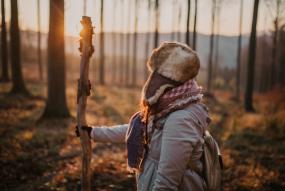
(174,60)
(153,99)
(189,99)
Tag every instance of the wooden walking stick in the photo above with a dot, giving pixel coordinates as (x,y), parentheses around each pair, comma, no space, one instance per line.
(86,48)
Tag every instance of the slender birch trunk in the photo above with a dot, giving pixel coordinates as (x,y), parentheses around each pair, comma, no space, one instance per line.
(195,26)
(157,18)
(239,52)
(188,22)
(127,76)
(39,41)
(134,72)
(102,46)
(4,52)
(210,63)
(147,39)
(251,61)
(121,79)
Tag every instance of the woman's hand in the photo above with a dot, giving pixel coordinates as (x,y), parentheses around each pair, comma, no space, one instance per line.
(85,128)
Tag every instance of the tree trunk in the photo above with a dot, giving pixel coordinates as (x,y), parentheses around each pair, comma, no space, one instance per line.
(39,41)
(188,22)
(4,52)
(179,23)
(209,84)
(134,72)
(17,77)
(127,75)
(265,58)
(282,57)
(122,46)
(195,26)
(114,34)
(147,40)
(239,52)
(156,35)
(216,68)
(263,64)
(274,72)
(102,45)
(56,106)
(174,13)
(274,52)
(251,61)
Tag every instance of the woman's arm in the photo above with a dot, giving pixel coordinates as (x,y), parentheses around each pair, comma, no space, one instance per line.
(178,137)
(113,134)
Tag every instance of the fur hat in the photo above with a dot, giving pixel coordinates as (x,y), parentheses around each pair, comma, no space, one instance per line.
(174,60)
(170,64)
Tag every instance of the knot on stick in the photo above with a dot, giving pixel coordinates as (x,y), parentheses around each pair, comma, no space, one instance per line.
(83,89)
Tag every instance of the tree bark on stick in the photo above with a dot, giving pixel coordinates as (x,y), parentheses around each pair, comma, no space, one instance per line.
(251,61)
(87,50)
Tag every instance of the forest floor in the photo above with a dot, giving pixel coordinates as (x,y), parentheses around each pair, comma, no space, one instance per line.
(39,155)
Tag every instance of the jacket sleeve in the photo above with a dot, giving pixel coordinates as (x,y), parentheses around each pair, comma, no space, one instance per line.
(178,138)
(113,134)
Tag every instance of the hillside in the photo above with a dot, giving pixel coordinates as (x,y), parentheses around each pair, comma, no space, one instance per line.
(227,46)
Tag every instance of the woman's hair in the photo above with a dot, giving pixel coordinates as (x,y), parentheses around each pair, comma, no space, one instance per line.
(145,109)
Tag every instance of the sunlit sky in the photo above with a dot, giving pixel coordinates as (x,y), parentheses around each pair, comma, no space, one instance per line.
(117,13)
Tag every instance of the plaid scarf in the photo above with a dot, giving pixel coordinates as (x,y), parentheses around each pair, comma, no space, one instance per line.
(178,98)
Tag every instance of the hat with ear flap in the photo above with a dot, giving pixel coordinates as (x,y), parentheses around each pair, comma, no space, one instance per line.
(174,61)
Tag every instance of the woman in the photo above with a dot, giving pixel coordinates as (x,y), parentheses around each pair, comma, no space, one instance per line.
(176,121)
